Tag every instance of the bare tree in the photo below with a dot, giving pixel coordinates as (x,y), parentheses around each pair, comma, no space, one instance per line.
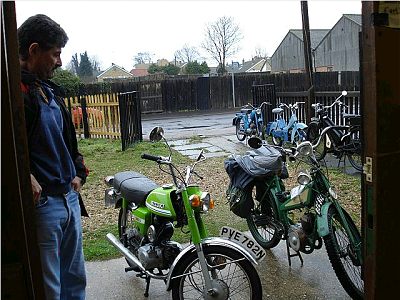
(261,52)
(187,54)
(221,40)
(143,58)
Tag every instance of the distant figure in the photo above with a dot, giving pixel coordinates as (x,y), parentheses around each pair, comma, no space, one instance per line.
(57,168)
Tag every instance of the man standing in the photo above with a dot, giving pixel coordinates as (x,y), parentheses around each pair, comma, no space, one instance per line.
(57,168)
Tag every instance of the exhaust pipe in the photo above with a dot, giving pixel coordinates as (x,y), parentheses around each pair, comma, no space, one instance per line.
(125,252)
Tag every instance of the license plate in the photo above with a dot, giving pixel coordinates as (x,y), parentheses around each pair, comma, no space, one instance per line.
(243,240)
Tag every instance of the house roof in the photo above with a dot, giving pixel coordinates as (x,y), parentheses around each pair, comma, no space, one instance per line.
(316,35)
(139,72)
(114,66)
(355,18)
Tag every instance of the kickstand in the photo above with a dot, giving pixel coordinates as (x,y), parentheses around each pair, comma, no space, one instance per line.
(146,293)
(291,255)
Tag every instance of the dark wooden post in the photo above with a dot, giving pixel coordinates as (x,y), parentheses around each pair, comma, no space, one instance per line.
(380,108)
(86,131)
(307,59)
(21,273)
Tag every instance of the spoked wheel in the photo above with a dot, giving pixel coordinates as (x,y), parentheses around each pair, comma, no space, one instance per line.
(343,255)
(354,149)
(232,276)
(125,223)
(276,140)
(313,134)
(262,222)
(240,134)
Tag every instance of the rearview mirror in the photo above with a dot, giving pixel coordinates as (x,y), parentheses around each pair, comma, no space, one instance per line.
(156,134)
(255,142)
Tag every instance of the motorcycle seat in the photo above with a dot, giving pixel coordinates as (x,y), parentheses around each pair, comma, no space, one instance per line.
(352,119)
(133,186)
(277,110)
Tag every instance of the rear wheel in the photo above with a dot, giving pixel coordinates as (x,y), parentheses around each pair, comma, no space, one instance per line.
(343,255)
(313,135)
(125,223)
(354,149)
(240,131)
(263,221)
(232,276)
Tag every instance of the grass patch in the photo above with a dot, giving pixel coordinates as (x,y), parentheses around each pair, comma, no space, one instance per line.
(97,247)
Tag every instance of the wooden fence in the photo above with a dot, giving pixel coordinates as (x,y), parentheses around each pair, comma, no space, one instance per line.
(183,93)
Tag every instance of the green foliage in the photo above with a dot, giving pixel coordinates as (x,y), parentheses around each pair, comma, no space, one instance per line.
(154,69)
(196,68)
(67,80)
(85,66)
(168,70)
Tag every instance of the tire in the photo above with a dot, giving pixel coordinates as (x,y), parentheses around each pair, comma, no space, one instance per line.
(124,220)
(313,134)
(354,144)
(277,141)
(339,249)
(265,230)
(240,276)
(240,134)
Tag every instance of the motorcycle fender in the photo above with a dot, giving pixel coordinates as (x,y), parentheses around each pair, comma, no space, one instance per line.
(297,127)
(272,127)
(322,220)
(235,120)
(215,241)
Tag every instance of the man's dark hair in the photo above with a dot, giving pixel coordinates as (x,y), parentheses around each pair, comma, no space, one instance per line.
(42,30)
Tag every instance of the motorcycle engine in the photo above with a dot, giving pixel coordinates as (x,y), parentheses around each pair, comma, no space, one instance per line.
(160,256)
(297,235)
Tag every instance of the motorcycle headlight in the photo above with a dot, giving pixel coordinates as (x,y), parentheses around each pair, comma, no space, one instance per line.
(303,178)
(258,111)
(305,148)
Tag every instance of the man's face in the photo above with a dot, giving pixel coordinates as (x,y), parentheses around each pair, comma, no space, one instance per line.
(46,61)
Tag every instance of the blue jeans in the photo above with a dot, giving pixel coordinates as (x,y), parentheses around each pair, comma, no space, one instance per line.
(59,233)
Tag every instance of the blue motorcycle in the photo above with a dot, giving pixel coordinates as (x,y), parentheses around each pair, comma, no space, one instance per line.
(293,132)
(249,122)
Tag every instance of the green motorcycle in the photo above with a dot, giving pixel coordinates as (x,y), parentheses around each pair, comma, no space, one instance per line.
(303,217)
(209,267)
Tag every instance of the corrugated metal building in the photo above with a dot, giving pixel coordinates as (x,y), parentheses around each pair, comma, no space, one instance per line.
(289,56)
(339,49)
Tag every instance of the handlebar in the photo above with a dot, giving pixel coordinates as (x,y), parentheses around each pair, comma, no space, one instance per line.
(261,105)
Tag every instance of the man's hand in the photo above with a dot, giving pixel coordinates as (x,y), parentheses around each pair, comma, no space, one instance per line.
(36,189)
(77,184)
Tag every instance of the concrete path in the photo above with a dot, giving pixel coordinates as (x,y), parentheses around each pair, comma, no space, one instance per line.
(314,280)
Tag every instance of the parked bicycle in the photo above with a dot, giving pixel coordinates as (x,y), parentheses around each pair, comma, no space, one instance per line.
(342,141)
(293,132)
(249,122)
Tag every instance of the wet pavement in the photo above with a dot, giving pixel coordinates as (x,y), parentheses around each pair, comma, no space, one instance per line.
(189,133)
(314,280)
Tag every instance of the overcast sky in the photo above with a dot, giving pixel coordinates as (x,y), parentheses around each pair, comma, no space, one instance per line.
(115,31)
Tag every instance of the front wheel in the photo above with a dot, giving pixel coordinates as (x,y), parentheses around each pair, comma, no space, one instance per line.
(240,131)
(353,147)
(344,254)
(263,221)
(232,276)
(313,135)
